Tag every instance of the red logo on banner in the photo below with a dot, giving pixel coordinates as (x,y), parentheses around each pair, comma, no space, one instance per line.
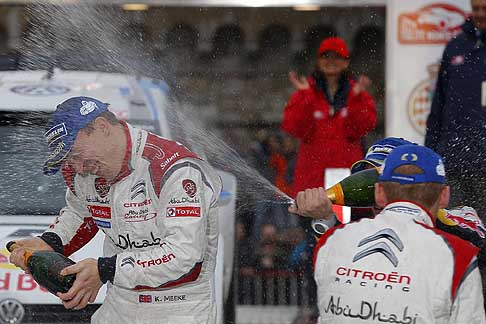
(186,211)
(433,24)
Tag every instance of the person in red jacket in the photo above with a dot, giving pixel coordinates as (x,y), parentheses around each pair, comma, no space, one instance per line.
(330,113)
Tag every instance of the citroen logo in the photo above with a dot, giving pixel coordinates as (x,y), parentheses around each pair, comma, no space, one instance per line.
(381,247)
(11,311)
(138,188)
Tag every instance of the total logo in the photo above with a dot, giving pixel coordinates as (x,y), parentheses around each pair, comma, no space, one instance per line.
(184,211)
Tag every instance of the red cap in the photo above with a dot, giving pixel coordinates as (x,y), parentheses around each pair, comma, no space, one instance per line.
(334,44)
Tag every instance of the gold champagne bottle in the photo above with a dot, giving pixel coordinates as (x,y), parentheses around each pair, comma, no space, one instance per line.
(45,267)
(356,190)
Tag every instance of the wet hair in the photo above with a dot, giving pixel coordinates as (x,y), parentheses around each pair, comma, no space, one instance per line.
(108,115)
(426,194)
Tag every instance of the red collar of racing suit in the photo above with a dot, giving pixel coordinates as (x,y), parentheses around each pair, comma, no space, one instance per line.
(126,168)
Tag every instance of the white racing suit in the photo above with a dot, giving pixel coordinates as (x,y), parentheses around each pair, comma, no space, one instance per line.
(160,222)
(397,268)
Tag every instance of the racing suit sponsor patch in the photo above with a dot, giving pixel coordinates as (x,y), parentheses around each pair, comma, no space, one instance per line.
(467,219)
(158,261)
(162,299)
(183,200)
(102,212)
(189,187)
(102,187)
(145,298)
(125,242)
(184,211)
(369,310)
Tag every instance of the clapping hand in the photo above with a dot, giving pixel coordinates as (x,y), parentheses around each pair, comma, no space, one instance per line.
(299,83)
(361,84)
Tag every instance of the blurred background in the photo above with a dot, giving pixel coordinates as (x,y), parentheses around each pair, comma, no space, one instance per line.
(231,63)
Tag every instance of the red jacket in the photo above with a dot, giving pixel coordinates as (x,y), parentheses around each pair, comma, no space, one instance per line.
(326,141)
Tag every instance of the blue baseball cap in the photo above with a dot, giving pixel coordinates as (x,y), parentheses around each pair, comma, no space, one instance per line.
(377,153)
(427,160)
(69,118)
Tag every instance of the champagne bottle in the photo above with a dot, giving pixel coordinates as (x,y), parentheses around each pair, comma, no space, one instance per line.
(356,190)
(45,268)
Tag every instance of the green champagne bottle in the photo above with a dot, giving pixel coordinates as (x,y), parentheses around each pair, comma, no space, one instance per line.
(356,190)
(45,267)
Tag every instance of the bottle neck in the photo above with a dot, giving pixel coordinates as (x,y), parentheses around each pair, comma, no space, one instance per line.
(27,256)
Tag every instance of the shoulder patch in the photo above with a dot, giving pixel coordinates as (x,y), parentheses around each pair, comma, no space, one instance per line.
(162,154)
(466,218)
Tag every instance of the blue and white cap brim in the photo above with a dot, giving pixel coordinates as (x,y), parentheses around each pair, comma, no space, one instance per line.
(57,156)
(362,164)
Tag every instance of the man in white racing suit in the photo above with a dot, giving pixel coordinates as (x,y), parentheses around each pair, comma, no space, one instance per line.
(397,267)
(156,203)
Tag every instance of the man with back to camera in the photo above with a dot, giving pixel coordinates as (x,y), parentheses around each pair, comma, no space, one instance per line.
(461,221)
(397,267)
(155,201)
(455,125)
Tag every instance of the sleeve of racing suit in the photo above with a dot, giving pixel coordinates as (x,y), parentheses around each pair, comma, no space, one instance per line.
(72,229)
(468,307)
(188,226)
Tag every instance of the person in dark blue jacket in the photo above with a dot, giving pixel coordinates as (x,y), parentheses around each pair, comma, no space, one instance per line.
(456,126)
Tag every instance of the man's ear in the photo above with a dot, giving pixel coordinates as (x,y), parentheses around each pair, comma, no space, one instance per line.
(380,197)
(444,197)
(102,125)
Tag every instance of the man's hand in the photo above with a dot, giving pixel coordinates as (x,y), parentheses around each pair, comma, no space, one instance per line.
(31,244)
(85,287)
(299,83)
(312,203)
(362,84)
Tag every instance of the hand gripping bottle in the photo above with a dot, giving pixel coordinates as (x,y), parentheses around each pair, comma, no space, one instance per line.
(45,268)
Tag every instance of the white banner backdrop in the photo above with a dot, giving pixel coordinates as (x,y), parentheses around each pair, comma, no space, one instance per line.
(417,31)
